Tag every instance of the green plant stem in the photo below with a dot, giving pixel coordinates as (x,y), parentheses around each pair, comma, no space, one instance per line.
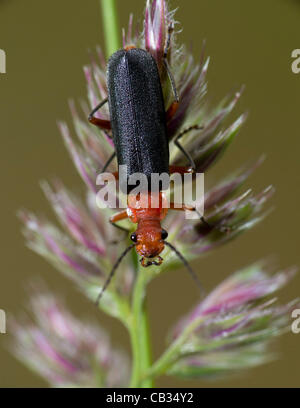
(135,369)
(110,26)
(139,332)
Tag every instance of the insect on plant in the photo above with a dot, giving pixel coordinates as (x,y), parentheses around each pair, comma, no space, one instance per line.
(227,331)
(139,125)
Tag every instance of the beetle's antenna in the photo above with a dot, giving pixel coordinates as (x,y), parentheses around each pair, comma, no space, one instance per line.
(167,47)
(186,264)
(112,272)
(165,60)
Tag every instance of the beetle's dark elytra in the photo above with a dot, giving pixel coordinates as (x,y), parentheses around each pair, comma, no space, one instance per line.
(137,113)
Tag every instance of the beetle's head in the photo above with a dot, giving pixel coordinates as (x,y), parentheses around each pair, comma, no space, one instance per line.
(149,243)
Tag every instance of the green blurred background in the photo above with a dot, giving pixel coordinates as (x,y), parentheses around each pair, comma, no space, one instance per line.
(250,42)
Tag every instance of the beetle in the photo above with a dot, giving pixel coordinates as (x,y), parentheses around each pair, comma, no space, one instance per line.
(138,121)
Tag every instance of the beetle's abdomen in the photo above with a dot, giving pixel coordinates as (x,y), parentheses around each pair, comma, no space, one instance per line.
(137,112)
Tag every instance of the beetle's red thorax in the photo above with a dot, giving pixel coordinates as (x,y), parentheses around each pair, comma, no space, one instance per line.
(147,211)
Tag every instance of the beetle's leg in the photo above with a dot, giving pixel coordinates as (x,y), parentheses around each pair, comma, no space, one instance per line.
(181,169)
(171,110)
(119,216)
(183,207)
(172,80)
(107,163)
(181,148)
(122,215)
(222,228)
(101,123)
(104,125)
(115,174)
